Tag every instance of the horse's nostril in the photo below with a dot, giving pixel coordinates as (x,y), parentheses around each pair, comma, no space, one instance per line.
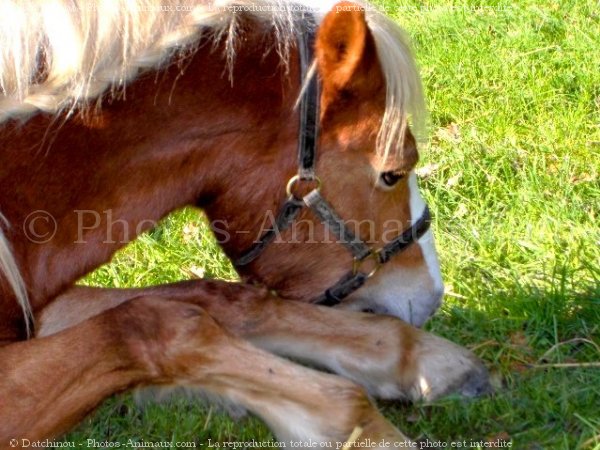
(376,309)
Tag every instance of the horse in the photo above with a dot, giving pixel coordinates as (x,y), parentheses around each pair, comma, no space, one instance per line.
(115,114)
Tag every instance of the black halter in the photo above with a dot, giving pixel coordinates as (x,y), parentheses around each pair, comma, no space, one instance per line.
(307,150)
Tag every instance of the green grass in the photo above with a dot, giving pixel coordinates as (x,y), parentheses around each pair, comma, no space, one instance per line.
(513,164)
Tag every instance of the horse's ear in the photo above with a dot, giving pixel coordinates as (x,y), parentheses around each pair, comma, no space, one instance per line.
(343,43)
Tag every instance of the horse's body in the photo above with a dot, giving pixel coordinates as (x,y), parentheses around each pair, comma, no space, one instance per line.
(219,130)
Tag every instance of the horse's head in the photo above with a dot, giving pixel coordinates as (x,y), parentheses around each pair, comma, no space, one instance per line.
(366,156)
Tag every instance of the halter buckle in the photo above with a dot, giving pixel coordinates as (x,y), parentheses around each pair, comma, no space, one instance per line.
(358,263)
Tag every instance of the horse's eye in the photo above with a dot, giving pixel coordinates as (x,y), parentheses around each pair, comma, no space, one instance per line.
(391,178)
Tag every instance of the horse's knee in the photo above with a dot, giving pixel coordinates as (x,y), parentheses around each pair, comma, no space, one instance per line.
(165,336)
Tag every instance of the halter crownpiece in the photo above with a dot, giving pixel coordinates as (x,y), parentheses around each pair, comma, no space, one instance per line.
(307,150)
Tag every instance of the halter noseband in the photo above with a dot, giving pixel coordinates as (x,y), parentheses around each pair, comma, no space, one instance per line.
(307,150)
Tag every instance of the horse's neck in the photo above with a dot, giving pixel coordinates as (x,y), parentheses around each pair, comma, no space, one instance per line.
(176,139)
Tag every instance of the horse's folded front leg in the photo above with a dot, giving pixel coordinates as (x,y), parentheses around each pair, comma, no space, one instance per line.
(48,384)
(179,344)
(303,407)
(388,357)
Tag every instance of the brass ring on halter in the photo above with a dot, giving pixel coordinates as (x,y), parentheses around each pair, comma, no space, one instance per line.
(358,263)
(296,179)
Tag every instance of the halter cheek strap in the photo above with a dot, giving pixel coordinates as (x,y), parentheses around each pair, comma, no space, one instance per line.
(307,151)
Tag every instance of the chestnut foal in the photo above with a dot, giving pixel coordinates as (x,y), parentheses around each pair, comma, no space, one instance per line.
(221,133)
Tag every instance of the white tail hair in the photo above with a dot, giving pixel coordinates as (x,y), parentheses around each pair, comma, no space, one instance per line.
(10,270)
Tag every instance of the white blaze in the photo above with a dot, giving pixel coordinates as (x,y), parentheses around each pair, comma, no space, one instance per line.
(410,293)
(417,206)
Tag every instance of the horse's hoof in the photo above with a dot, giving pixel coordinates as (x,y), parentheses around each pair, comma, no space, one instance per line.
(445,368)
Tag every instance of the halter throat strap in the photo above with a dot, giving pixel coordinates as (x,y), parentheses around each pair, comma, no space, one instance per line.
(309,103)
(307,142)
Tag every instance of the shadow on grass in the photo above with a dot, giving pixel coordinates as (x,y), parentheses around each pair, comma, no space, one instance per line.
(538,347)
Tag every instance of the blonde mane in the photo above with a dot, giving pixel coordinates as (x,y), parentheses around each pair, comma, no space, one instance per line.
(56,55)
